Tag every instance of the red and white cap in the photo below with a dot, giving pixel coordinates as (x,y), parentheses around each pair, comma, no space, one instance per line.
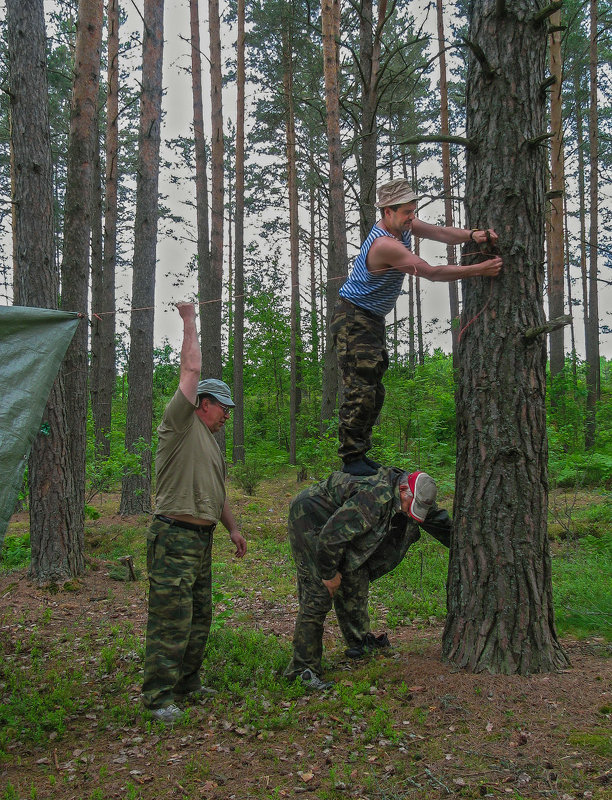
(424,491)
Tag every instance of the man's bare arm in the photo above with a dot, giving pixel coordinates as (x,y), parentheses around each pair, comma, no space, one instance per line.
(449,235)
(227,518)
(386,253)
(191,355)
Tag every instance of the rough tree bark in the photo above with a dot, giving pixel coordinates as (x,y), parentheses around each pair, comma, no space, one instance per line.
(499,597)
(56,547)
(136,488)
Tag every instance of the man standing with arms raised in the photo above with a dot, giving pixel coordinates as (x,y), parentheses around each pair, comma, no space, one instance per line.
(369,294)
(190,501)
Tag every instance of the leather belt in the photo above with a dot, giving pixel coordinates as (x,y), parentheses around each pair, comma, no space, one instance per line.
(190,526)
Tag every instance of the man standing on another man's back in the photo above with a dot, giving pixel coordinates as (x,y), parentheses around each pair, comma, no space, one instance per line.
(190,501)
(370,293)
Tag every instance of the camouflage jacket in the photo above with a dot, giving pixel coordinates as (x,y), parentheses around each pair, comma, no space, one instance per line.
(347,522)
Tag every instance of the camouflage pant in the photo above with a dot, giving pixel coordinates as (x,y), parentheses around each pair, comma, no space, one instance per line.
(350,604)
(180,611)
(359,339)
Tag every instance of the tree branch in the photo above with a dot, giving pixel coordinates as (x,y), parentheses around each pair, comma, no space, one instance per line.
(550,81)
(487,69)
(470,144)
(547,327)
(547,12)
(539,139)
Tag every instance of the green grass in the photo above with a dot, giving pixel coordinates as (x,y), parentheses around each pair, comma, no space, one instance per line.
(416,589)
(599,743)
(15,553)
(582,576)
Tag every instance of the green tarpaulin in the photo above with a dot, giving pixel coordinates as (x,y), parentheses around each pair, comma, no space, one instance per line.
(33,342)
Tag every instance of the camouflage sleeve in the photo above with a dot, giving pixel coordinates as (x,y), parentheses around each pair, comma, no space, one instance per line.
(439,525)
(355,517)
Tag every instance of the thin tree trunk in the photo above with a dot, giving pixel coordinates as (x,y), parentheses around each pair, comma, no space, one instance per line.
(238,421)
(136,489)
(56,547)
(103,330)
(369,63)
(499,598)
(295,346)
(570,302)
(555,216)
(213,283)
(312,254)
(453,288)
(337,250)
(592,342)
(97,283)
(580,144)
(82,145)
(201,179)
(417,281)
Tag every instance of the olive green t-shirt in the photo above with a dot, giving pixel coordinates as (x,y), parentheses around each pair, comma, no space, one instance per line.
(189,467)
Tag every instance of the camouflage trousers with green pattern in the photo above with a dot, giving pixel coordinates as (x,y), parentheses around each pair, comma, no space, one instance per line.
(359,339)
(350,604)
(180,611)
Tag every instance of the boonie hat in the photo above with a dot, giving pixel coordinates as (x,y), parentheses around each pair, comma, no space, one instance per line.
(424,491)
(395,193)
(217,389)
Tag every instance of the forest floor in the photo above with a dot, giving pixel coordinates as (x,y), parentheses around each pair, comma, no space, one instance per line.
(405,725)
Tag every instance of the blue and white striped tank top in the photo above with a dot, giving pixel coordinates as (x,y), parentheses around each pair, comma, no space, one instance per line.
(375,293)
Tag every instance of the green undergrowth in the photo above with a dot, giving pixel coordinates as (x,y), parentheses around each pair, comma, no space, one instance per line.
(49,678)
(582,577)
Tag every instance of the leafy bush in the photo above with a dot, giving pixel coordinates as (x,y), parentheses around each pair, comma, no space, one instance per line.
(15,553)
(583,469)
(248,474)
(105,474)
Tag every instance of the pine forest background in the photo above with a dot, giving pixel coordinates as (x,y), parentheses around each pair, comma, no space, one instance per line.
(233,201)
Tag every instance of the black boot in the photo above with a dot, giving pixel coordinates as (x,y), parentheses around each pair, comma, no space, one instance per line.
(369,645)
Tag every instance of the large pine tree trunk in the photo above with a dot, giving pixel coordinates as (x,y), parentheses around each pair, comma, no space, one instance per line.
(500,611)
(57,551)
(238,415)
(82,146)
(103,330)
(337,250)
(136,489)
